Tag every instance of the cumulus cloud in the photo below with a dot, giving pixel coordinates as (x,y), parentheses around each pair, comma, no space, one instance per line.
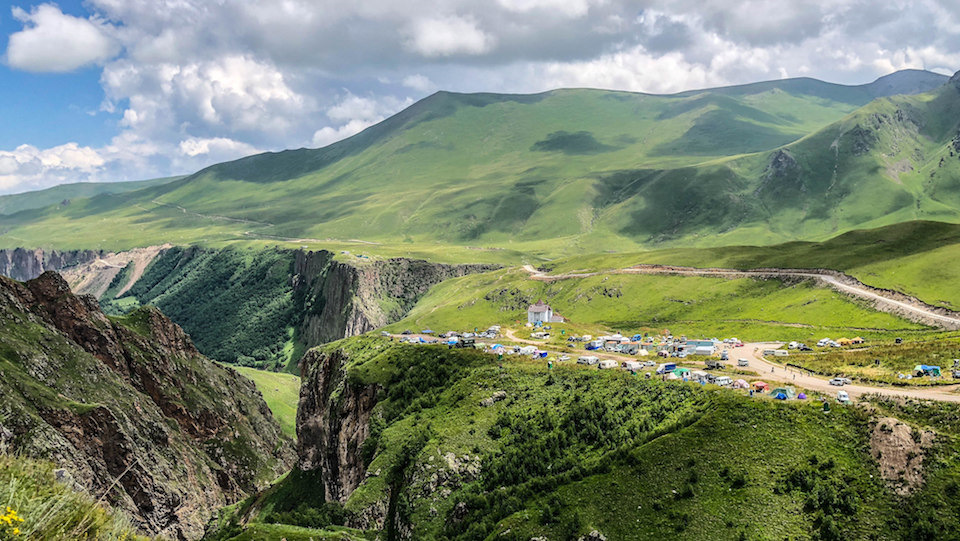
(28,167)
(54,42)
(446,36)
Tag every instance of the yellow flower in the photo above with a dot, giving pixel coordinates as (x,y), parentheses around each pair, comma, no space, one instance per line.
(16,531)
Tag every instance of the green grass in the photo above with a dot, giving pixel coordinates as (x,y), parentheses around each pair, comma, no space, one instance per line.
(698,307)
(575,449)
(56,195)
(895,359)
(558,173)
(52,510)
(281,392)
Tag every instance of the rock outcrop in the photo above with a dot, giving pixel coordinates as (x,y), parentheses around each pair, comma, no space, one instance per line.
(23,264)
(129,409)
(340,300)
(333,421)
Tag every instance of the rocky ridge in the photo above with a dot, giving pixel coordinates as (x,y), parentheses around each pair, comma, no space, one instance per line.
(130,409)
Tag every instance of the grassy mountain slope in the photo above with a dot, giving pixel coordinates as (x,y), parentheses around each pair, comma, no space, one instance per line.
(566,170)
(570,450)
(913,257)
(10,204)
(707,307)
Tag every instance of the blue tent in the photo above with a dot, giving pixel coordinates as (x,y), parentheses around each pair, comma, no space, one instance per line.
(781,396)
(426,331)
(452,342)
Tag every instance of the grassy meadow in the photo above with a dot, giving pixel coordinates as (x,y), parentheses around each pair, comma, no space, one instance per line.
(281,392)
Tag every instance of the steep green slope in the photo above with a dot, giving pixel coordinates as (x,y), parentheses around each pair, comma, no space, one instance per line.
(563,171)
(129,409)
(566,451)
(64,193)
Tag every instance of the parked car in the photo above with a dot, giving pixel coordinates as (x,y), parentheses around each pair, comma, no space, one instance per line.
(837,381)
(384,333)
(843,397)
(563,358)
(804,347)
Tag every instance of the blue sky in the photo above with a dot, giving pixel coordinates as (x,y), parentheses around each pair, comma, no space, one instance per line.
(45,109)
(107,90)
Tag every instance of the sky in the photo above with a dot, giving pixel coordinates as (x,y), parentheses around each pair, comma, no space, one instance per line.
(109,90)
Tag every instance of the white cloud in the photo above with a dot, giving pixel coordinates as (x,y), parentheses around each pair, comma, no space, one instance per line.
(447,36)
(328,135)
(218,146)
(566,8)
(28,167)
(419,83)
(54,42)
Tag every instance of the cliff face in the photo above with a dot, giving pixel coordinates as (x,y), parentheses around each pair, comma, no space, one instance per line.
(333,419)
(340,300)
(130,409)
(241,304)
(23,264)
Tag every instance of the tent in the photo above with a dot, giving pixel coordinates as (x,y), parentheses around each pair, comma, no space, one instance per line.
(844,341)
(802,396)
(680,372)
(673,375)
(787,392)
(741,384)
(857,340)
(780,396)
(761,386)
(926,370)
(426,331)
(643,353)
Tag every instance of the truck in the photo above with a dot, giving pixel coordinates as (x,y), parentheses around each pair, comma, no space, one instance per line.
(714,364)
(466,343)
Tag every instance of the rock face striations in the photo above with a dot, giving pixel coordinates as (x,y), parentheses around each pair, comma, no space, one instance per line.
(130,409)
(338,300)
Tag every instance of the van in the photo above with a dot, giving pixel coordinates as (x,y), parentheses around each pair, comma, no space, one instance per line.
(724,356)
(666,367)
(743,362)
(723,381)
(843,397)
(781,353)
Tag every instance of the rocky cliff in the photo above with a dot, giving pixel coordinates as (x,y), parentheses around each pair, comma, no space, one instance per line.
(340,300)
(130,409)
(241,304)
(24,264)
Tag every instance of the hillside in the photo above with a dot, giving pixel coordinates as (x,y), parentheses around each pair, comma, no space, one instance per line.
(65,193)
(129,410)
(564,171)
(417,442)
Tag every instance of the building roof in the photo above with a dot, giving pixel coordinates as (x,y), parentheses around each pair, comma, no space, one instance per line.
(539,307)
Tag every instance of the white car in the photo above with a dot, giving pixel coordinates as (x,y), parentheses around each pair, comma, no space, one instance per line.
(843,397)
(837,381)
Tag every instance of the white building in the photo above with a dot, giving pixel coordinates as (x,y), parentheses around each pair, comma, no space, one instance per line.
(539,313)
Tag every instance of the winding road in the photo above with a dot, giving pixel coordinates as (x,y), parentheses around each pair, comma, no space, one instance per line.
(910,307)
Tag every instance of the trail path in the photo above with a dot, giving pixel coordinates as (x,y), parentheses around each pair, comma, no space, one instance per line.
(885,300)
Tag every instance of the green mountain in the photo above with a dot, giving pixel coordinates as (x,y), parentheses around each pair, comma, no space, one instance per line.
(563,171)
(65,193)
(421,442)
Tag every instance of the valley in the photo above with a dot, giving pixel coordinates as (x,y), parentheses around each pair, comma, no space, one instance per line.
(294,344)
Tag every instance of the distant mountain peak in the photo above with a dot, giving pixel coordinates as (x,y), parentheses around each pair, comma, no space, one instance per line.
(908,81)
(955,80)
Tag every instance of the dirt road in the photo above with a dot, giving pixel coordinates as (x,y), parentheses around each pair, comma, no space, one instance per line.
(778,373)
(773,372)
(888,301)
